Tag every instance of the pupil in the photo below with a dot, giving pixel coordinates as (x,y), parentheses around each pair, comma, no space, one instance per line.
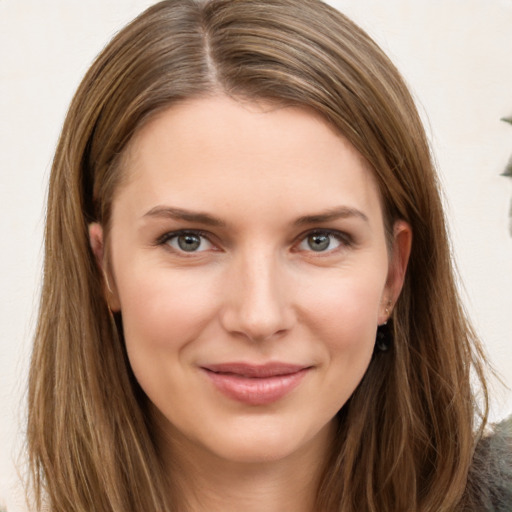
(318,242)
(189,243)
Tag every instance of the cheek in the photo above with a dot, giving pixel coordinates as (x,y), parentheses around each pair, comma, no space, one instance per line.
(346,309)
(163,314)
(344,320)
(163,311)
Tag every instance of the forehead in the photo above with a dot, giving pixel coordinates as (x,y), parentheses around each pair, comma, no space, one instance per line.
(215,150)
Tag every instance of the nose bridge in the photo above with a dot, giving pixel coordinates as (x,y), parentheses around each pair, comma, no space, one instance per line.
(257,305)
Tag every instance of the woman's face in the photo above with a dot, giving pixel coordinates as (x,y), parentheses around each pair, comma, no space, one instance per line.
(249,262)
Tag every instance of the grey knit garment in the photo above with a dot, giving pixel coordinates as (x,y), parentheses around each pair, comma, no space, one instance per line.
(490,479)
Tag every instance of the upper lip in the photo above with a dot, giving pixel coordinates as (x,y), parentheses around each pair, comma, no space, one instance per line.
(255,371)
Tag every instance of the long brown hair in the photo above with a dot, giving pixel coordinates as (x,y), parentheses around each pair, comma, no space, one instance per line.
(407,435)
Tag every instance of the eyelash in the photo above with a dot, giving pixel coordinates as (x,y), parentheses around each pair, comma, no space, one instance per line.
(345,240)
(167,237)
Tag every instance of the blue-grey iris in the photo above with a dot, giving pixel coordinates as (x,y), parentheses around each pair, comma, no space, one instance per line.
(319,242)
(189,242)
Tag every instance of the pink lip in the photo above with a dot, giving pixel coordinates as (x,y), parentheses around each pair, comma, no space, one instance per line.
(255,384)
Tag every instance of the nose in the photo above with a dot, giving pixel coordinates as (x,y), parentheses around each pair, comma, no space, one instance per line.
(257,304)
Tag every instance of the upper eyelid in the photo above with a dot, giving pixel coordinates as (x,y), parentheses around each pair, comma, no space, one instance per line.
(172,234)
(341,235)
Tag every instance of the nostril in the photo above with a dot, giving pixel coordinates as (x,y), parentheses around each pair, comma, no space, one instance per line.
(255,329)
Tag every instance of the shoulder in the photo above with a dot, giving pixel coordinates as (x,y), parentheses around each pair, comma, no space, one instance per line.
(490,477)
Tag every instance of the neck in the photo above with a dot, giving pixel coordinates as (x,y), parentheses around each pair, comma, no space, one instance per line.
(205,482)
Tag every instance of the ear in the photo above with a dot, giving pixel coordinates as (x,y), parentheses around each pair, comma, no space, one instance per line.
(400,252)
(96,240)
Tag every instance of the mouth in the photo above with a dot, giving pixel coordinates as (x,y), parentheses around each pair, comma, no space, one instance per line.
(255,384)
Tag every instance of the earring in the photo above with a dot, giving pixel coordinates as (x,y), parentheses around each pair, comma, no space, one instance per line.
(383,338)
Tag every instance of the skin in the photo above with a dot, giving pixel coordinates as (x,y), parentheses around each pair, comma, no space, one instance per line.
(254,290)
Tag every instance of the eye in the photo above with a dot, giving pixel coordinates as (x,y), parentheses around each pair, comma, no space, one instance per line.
(322,241)
(187,241)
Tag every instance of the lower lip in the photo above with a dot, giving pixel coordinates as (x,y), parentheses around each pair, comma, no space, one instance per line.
(256,391)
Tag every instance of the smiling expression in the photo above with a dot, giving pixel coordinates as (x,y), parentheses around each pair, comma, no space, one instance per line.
(248,259)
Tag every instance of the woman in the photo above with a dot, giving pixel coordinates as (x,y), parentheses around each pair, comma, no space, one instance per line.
(248,300)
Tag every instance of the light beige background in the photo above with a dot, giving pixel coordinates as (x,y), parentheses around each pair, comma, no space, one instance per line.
(455,54)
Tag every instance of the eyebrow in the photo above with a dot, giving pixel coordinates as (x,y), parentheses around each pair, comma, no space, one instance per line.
(167,212)
(342,212)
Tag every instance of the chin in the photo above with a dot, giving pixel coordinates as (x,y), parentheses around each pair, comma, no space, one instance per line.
(268,443)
